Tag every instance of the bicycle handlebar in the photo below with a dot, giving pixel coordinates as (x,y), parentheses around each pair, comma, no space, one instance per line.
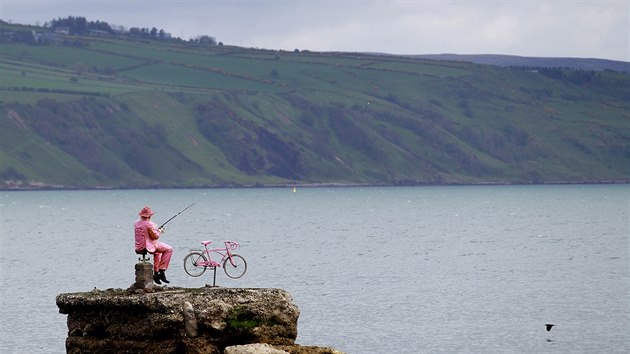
(231,244)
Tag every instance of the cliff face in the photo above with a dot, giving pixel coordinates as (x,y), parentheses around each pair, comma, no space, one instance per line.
(181,320)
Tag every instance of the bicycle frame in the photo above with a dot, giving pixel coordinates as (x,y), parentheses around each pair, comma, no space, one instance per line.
(224,252)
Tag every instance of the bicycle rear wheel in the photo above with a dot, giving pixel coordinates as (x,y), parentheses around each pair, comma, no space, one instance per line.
(238,269)
(191,261)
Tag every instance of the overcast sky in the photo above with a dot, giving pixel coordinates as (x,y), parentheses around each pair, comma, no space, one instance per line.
(551,28)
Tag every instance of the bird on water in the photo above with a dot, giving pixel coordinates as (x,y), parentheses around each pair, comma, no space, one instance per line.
(549,325)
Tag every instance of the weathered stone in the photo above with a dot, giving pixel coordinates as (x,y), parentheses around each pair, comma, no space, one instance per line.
(190,321)
(125,321)
(257,348)
(144,276)
(309,349)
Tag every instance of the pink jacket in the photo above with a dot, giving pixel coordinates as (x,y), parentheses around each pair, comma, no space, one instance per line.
(143,239)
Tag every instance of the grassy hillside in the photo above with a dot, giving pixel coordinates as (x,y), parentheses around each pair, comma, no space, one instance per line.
(104,112)
(517,61)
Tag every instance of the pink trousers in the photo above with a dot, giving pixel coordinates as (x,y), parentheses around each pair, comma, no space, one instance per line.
(162,256)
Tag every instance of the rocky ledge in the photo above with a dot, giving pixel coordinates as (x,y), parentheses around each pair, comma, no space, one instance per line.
(183,320)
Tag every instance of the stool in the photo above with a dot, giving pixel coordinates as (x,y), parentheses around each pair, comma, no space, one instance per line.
(144,271)
(143,252)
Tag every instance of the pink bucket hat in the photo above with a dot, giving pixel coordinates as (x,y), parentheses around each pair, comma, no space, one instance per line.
(146,212)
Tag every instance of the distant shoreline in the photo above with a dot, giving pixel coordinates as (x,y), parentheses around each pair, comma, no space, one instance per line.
(311,185)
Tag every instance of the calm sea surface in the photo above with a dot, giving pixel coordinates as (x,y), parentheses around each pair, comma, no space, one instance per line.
(373,270)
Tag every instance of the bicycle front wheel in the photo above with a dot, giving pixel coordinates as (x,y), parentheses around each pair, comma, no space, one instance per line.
(191,262)
(238,269)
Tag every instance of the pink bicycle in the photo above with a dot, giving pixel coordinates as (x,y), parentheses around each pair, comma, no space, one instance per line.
(197,261)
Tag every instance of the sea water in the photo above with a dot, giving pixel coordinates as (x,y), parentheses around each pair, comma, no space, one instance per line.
(470,269)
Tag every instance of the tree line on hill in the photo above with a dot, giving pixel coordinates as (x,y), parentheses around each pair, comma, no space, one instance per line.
(80,26)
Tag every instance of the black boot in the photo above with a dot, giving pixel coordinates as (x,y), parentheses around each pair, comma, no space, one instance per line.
(163,276)
(156,278)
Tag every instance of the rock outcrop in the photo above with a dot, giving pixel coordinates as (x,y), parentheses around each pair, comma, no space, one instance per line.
(182,320)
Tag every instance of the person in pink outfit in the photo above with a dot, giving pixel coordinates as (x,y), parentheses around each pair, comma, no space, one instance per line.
(147,235)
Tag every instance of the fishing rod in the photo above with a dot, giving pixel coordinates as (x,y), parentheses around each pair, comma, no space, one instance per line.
(174,216)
